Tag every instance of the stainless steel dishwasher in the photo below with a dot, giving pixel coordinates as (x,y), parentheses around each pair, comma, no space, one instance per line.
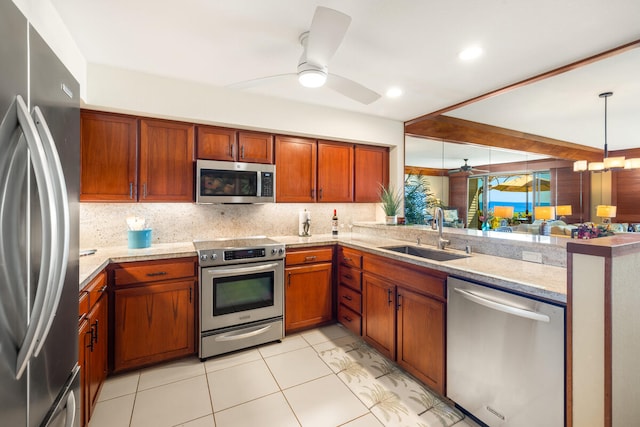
(505,356)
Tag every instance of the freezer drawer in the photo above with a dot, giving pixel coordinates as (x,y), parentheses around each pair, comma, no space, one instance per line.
(505,356)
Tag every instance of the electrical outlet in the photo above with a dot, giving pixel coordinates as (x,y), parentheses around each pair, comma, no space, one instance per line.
(532,256)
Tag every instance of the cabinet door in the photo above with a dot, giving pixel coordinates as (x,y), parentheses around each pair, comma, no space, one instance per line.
(97,350)
(84,345)
(255,147)
(379,314)
(108,157)
(166,161)
(216,143)
(371,170)
(308,294)
(153,323)
(296,169)
(421,337)
(335,172)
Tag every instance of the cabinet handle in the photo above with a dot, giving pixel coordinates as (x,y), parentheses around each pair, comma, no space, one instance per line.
(242,152)
(144,190)
(102,289)
(310,258)
(389,300)
(348,276)
(320,194)
(398,302)
(346,259)
(157,273)
(231,149)
(347,297)
(94,332)
(90,345)
(288,279)
(131,190)
(347,318)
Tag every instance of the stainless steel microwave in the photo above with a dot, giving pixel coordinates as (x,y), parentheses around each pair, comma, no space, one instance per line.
(233,182)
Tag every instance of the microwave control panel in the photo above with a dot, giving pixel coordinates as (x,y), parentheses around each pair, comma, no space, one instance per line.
(266,184)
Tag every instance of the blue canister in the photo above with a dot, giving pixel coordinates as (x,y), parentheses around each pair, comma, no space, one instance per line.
(139,238)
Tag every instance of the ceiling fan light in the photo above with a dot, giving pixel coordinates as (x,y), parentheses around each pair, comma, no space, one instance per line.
(596,166)
(580,166)
(312,78)
(632,163)
(613,162)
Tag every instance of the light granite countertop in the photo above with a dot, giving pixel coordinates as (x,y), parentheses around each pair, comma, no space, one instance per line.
(542,281)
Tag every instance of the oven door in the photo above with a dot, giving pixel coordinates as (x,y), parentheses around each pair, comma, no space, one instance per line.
(237,294)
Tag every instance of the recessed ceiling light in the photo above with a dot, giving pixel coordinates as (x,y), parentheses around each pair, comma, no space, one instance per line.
(470,53)
(394,92)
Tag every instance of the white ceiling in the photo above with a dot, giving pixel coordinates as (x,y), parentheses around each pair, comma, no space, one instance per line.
(406,43)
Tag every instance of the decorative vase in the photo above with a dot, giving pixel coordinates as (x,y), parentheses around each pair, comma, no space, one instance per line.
(391,219)
(486,226)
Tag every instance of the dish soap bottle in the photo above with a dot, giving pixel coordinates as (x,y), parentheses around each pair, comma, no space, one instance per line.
(334,224)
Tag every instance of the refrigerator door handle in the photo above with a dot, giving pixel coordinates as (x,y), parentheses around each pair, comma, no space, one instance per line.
(61,205)
(70,419)
(49,236)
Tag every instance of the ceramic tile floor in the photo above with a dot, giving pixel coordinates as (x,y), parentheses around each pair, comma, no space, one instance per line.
(320,378)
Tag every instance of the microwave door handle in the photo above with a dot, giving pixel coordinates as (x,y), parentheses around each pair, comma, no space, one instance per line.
(505,308)
(61,204)
(49,235)
(241,270)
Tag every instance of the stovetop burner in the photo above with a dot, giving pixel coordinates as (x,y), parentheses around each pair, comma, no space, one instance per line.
(238,250)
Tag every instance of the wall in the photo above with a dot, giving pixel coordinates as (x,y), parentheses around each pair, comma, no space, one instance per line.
(104,224)
(45,19)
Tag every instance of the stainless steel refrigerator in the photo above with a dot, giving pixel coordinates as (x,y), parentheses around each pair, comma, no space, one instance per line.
(39,182)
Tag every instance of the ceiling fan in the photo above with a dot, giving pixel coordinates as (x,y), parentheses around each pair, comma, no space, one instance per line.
(319,44)
(467,169)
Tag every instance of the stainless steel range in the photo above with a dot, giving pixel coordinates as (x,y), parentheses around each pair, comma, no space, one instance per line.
(241,293)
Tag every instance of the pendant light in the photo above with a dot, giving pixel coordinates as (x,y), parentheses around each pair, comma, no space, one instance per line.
(607,163)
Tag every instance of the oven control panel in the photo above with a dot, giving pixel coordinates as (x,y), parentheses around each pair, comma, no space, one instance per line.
(219,256)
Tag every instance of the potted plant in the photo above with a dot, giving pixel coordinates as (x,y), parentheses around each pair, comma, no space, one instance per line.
(391,201)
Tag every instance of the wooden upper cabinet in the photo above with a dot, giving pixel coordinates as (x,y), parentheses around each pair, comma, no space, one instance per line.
(335,172)
(254,147)
(166,161)
(216,143)
(296,160)
(108,153)
(371,170)
(234,146)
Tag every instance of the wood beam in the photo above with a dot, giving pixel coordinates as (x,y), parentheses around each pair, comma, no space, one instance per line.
(451,129)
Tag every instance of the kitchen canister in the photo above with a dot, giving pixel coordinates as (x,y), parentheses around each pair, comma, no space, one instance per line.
(139,238)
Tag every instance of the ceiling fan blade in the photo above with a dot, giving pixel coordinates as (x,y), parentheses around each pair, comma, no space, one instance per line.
(327,31)
(247,84)
(351,89)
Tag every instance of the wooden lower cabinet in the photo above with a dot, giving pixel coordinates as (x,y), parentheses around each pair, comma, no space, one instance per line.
(153,323)
(421,337)
(350,289)
(92,342)
(404,316)
(153,320)
(308,288)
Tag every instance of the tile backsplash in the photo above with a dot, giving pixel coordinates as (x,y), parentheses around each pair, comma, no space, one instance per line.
(104,224)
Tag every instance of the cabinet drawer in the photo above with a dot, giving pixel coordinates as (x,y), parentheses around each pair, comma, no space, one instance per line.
(351,277)
(308,256)
(350,298)
(139,272)
(83,304)
(95,289)
(350,257)
(350,319)
(421,279)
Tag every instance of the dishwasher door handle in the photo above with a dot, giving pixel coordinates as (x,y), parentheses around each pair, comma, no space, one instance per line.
(520,312)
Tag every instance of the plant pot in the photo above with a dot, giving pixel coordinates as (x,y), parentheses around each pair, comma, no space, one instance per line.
(391,220)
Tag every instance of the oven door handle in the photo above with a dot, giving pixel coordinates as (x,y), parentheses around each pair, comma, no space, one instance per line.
(239,335)
(242,270)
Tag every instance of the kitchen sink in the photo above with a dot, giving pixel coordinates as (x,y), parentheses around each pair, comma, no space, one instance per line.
(433,254)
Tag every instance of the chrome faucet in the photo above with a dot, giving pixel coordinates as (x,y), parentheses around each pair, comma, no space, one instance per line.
(438,222)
